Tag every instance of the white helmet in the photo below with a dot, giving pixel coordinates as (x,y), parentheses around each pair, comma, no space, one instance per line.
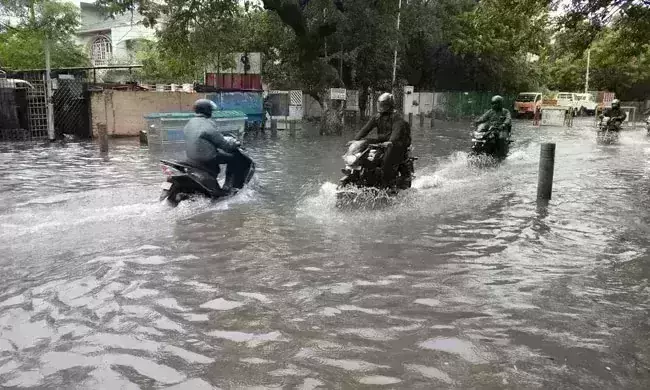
(385,103)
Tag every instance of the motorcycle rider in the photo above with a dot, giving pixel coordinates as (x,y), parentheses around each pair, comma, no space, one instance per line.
(393,131)
(205,145)
(614,113)
(496,115)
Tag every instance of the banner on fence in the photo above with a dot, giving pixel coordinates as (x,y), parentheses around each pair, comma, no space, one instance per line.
(352,100)
(295,112)
(407,101)
(279,101)
(553,115)
(337,93)
(295,98)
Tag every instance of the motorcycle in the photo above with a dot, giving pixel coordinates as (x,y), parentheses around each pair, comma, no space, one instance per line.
(608,130)
(187,179)
(362,180)
(491,140)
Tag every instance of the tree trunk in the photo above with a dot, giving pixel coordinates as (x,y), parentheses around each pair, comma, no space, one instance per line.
(332,115)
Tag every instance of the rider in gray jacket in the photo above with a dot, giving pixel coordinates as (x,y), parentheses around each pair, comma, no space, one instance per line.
(206,146)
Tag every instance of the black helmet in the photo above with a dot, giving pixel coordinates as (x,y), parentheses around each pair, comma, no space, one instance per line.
(496,102)
(616,103)
(204,107)
(385,103)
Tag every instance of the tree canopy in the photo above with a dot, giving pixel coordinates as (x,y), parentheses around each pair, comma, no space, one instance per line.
(491,45)
(22,43)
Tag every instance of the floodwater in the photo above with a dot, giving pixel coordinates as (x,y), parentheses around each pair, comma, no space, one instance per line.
(465,283)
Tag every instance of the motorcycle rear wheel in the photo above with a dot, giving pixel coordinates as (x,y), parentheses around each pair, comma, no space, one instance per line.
(173,197)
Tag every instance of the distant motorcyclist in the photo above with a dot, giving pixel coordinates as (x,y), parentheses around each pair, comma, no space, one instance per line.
(496,115)
(206,145)
(393,131)
(614,113)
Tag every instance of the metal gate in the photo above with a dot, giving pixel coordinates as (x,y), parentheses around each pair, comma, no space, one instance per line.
(71,101)
(14,114)
(37,106)
(23,106)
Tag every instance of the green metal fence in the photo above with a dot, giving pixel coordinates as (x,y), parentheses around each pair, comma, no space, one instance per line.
(468,105)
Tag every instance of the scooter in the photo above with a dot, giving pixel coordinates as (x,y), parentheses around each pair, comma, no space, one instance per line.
(362,180)
(608,130)
(188,179)
(491,140)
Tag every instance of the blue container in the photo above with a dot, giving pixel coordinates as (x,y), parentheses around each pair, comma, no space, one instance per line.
(166,128)
(250,103)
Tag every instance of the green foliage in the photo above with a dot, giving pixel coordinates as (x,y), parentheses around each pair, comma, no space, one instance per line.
(616,65)
(500,36)
(51,18)
(503,28)
(24,49)
(161,67)
(22,46)
(444,44)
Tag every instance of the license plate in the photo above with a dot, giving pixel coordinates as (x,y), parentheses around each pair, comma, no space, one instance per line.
(166,186)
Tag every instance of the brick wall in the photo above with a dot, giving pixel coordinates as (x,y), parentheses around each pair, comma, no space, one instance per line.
(124,111)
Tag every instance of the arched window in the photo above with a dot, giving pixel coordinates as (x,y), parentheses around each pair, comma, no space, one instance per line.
(101,50)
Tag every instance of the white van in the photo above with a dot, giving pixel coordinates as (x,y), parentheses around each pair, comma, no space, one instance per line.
(568,99)
(586,103)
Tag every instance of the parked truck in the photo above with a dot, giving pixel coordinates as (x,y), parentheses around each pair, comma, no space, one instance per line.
(569,99)
(527,103)
(586,103)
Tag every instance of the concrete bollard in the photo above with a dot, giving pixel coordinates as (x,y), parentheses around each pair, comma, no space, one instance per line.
(274,125)
(102,133)
(143,137)
(546,166)
(410,119)
(433,119)
(421,121)
(292,128)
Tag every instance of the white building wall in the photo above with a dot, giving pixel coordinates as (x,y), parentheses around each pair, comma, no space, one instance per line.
(120,35)
(120,30)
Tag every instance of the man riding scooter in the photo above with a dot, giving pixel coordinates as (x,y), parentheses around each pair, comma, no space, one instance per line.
(496,115)
(615,114)
(492,136)
(393,131)
(206,146)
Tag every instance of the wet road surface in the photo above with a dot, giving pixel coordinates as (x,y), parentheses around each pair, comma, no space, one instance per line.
(465,283)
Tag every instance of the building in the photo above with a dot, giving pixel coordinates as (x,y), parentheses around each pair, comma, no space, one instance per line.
(111,41)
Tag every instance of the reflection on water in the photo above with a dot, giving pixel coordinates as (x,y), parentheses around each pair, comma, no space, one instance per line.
(464,283)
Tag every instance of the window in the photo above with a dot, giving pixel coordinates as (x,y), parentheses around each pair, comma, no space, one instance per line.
(101,50)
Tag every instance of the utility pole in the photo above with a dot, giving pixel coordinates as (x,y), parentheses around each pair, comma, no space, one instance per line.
(587,75)
(399,11)
(48,96)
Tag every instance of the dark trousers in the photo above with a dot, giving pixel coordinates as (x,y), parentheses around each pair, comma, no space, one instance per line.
(237,167)
(395,155)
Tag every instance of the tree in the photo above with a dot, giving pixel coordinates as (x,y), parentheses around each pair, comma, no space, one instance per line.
(613,67)
(22,45)
(499,37)
(24,49)
(49,17)
(587,18)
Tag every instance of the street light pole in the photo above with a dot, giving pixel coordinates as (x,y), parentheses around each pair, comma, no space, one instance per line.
(399,11)
(48,96)
(587,75)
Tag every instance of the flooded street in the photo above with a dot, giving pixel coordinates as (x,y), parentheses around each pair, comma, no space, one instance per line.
(465,283)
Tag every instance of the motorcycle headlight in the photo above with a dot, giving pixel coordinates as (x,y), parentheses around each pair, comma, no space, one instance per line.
(371,155)
(350,159)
